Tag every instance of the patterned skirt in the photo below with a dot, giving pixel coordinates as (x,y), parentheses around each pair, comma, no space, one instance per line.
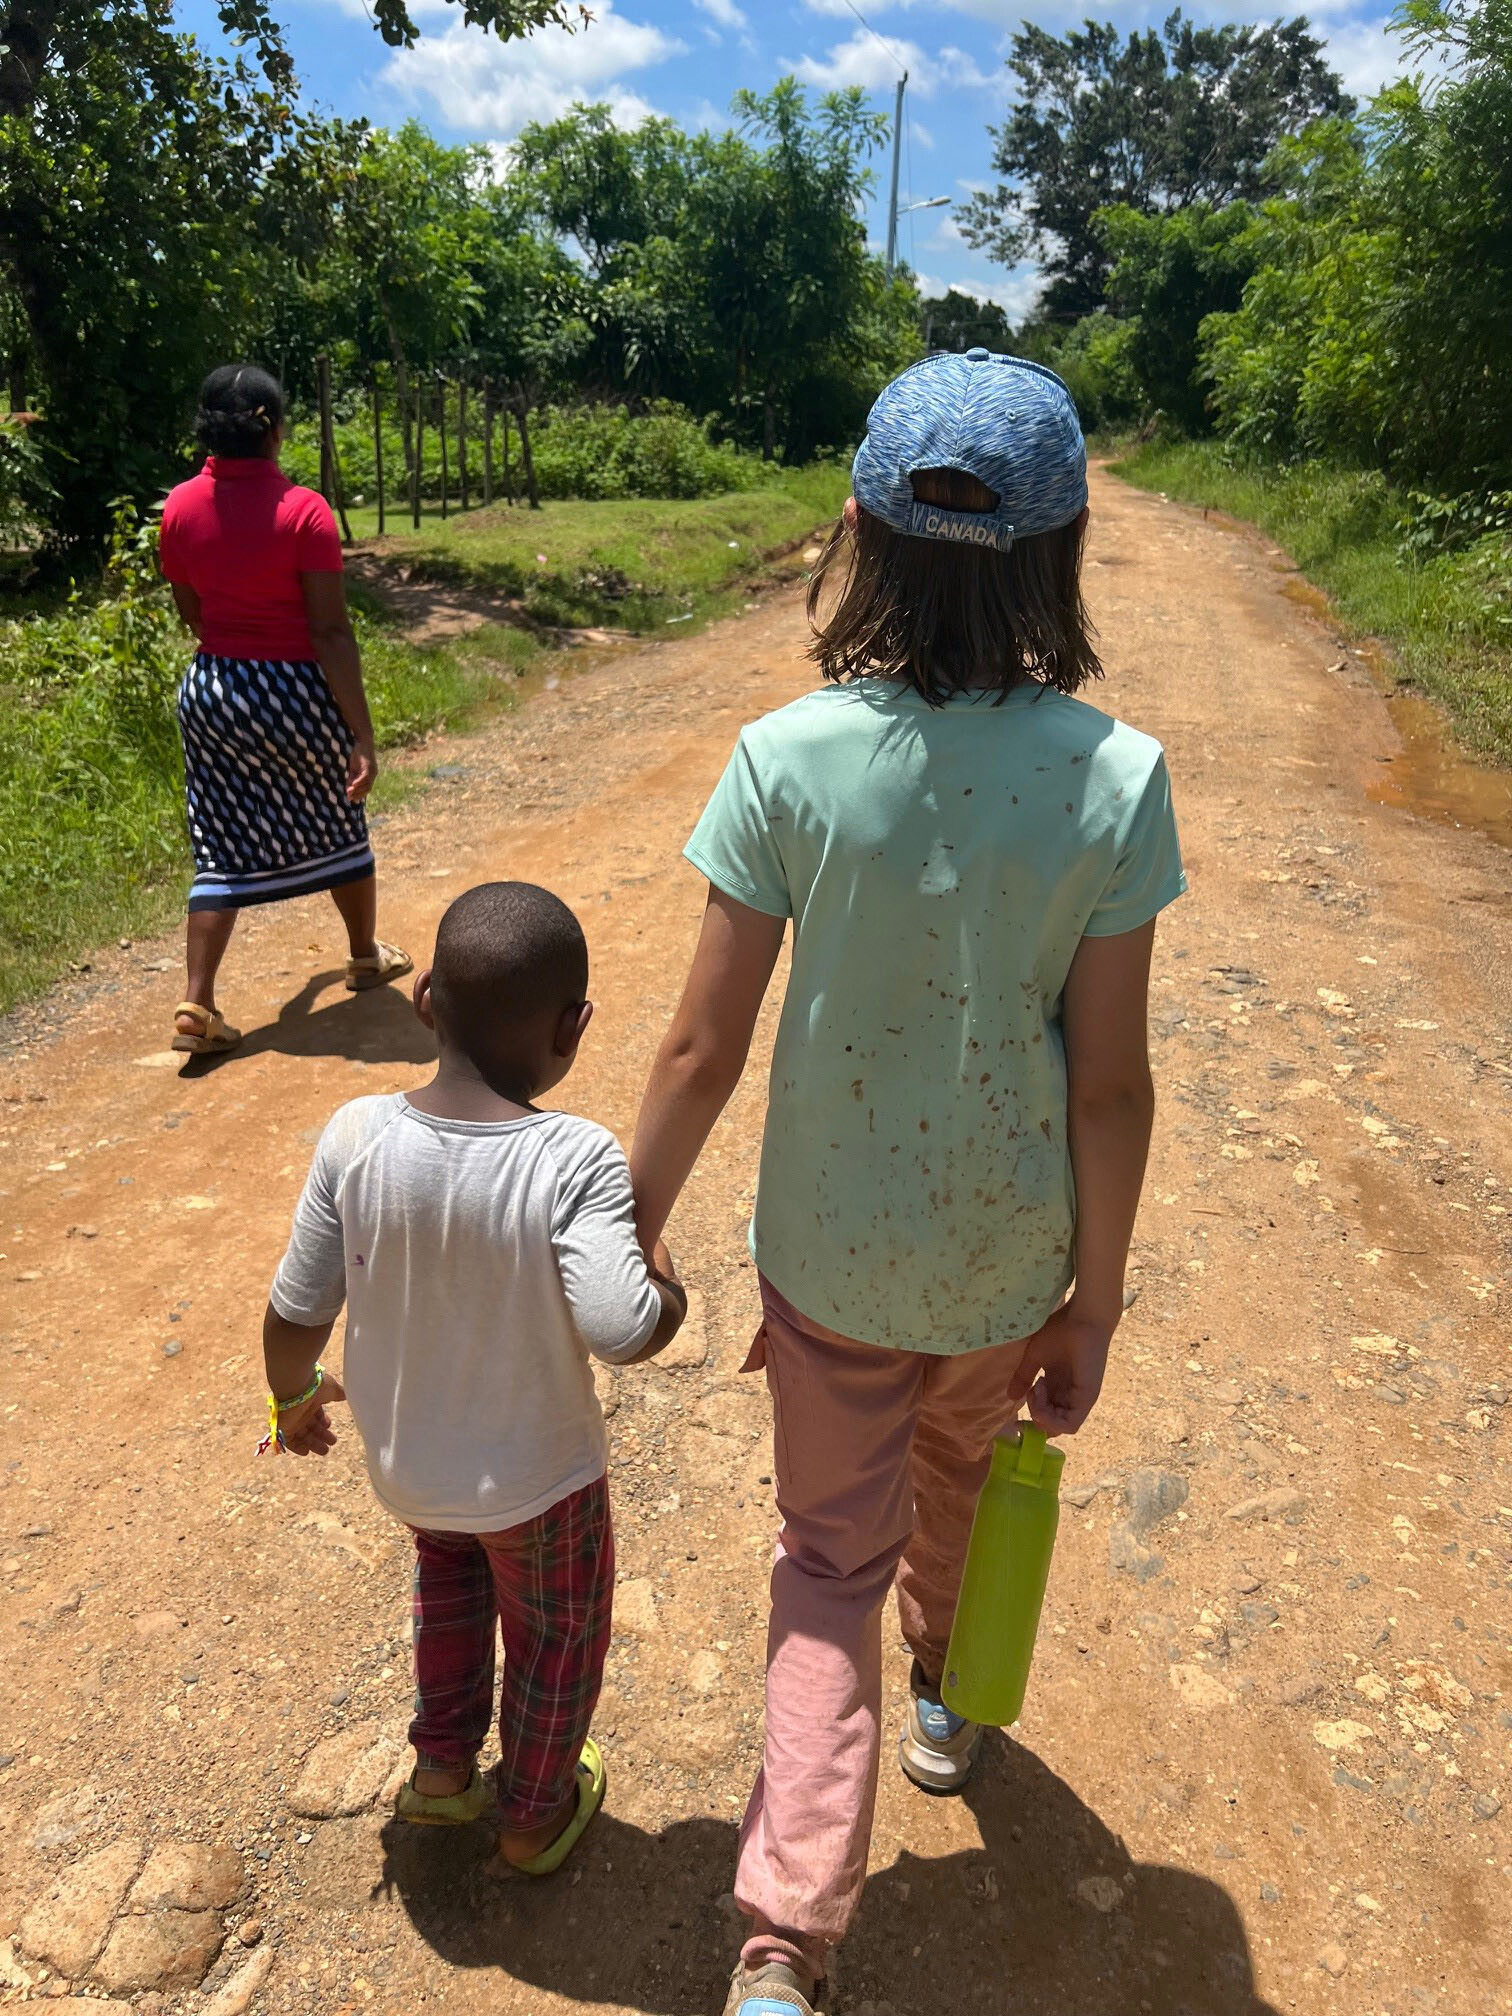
(265,770)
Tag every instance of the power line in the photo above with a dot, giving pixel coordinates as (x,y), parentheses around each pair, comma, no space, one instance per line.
(880,40)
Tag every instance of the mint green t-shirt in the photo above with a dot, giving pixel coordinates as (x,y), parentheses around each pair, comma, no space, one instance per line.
(941,866)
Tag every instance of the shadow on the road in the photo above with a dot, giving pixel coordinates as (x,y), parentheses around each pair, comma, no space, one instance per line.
(638,1920)
(378,1026)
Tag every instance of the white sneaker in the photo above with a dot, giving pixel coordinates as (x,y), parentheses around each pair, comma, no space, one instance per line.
(938,1748)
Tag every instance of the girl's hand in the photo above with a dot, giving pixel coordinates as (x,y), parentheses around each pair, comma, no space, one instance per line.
(1061,1371)
(307,1430)
(362,770)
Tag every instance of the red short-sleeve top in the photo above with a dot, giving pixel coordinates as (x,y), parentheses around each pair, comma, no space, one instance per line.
(240,534)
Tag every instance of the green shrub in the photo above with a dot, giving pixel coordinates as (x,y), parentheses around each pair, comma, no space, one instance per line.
(596,451)
(1095,356)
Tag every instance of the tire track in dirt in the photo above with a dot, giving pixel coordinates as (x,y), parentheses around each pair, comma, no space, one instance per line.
(1267,1741)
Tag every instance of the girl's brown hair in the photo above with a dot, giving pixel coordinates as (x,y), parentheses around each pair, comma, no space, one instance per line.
(947,617)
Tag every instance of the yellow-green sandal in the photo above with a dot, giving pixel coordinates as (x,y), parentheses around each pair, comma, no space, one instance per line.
(451,1809)
(592,1783)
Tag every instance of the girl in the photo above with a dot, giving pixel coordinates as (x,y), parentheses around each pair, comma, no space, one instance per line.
(960,1100)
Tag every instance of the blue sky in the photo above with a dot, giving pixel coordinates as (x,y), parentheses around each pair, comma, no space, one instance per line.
(685,58)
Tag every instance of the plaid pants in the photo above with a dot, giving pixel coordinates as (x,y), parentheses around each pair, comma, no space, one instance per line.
(550,1584)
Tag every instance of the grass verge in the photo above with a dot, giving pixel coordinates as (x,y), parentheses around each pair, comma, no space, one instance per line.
(1446,619)
(92,844)
(633,563)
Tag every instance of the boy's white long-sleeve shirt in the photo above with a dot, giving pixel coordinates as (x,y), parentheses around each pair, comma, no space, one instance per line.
(481,1263)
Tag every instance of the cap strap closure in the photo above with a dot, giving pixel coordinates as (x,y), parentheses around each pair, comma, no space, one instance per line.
(967,528)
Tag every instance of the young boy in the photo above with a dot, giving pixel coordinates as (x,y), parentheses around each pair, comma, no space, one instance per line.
(483,1248)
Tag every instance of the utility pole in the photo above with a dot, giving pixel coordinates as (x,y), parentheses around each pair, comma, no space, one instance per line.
(892,206)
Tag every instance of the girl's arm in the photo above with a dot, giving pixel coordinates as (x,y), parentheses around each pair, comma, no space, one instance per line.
(1110,1111)
(703,1054)
(336,649)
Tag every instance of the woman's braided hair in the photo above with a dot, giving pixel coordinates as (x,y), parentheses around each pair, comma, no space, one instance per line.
(239,406)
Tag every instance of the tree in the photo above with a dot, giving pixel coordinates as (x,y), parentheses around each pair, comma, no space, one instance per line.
(123,198)
(781,261)
(729,271)
(129,163)
(957,321)
(1168,274)
(32,30)
(1159,122)
(1374,329)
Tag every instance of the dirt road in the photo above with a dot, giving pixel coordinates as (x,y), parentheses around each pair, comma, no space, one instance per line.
(1266,1754)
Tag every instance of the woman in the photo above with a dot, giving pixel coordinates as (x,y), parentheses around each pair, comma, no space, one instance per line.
(278,741)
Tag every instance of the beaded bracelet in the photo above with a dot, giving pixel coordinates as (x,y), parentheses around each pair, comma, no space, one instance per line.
(274,1439)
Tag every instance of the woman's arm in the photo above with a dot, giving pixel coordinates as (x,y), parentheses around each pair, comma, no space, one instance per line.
(1110,1111)
(336,649)
(703,1054)
(187,602)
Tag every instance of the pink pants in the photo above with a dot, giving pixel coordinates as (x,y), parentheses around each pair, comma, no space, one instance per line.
(880,1455)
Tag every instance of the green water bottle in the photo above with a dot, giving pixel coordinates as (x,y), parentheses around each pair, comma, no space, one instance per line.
(1007,1567)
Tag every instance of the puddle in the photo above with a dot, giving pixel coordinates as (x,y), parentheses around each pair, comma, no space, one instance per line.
(1428,775)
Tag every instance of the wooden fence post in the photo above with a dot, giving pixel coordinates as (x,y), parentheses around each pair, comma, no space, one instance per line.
(419,469)
(531,492)
(487,442)
(462,435)
(323,402)
(330,465)
(378,446)
(441,428)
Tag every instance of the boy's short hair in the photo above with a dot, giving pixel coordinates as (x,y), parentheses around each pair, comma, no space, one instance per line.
(508,954)
(946,617)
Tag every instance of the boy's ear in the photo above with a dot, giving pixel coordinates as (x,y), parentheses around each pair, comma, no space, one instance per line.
(572,1028)
(422,998)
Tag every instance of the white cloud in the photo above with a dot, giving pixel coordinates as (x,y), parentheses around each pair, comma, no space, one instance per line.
(707,117)
(1368,56)
(922,134)
(471,81)
(1015,294)
(865,61)
(725,12)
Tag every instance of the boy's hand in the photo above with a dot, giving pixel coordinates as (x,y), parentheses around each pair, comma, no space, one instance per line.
(1061,1371)
(307,1430)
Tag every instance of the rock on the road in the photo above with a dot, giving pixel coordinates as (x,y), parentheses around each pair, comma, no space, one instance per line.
(345,1774)
(1281,1504)
(235,1993)
(163,1949)
(187,1876)
(68,1924)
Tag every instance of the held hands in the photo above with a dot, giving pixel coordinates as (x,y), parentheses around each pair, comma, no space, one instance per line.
(662,1267)
(307,1429)
(362,770)
(1061,1371)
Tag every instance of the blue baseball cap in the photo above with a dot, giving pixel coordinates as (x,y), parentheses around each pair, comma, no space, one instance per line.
(1009,423)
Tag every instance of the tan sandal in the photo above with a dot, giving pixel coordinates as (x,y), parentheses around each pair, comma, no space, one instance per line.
(214,1034)
(387,963)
